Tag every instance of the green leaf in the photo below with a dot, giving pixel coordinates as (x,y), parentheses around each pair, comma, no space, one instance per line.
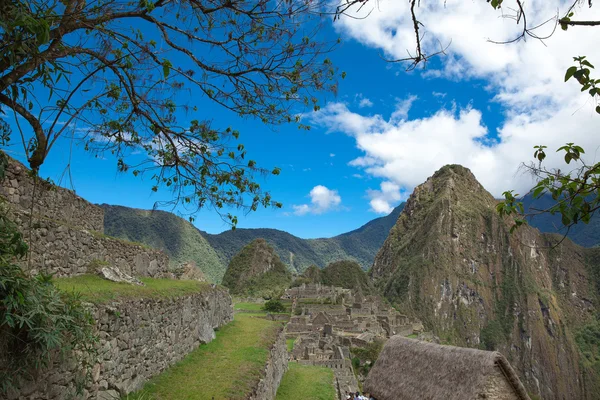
(570,72)
(598,109)
(586,62)
(166,67)
(538,191)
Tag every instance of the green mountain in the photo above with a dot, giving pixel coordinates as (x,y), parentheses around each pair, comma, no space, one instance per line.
(452,262)
(346,274)
(360,245)
(212,253)
(256,271)
(165,231)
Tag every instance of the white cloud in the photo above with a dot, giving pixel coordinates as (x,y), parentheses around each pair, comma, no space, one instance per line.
(364,102)
(322,200)
(406,152)
(383,201)
(331,155)
(525,78)
(403,106)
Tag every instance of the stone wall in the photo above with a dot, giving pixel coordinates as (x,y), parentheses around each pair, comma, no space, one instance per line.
(67,251)
(51,201)
(277,364)
(139,338)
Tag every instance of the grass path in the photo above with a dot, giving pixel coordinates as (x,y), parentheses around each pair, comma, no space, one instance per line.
(226,368)
(305,382)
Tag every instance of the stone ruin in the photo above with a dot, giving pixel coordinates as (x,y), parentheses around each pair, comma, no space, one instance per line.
(327,321)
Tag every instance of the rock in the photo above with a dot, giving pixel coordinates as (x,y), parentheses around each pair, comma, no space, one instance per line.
(108,395)
(114,274)
(189,271)
(428,337)
(153,268)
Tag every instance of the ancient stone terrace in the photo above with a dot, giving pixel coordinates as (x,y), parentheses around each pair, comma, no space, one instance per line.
(328,321)
(348,314)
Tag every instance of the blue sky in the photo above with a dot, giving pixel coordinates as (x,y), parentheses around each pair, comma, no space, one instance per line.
(388,130)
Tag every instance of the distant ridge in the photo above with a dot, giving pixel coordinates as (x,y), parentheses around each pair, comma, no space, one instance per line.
(360,245)
(212,253)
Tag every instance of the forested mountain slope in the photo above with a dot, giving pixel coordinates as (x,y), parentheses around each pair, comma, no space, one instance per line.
(212,253)
(451,261)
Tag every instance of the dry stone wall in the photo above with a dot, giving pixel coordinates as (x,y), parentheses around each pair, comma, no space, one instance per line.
(66,251)
(51,201)
(67,231)
(277,364)
(138,339)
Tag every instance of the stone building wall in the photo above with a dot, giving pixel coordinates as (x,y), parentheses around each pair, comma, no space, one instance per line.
(51,201)
(498,387)
(138,339)
(66,251)
(277,364)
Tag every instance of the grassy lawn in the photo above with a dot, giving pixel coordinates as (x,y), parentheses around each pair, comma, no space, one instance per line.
(226,368)
(303,382)
(290,344)
(254,307)
(97,290)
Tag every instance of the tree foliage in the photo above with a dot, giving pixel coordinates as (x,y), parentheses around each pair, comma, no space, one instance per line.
(112,73)
(575,193)
(274,305)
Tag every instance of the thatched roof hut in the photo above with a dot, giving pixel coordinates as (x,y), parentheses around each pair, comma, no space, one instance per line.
(410,369)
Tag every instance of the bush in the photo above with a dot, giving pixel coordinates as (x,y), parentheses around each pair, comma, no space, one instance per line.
(274,305)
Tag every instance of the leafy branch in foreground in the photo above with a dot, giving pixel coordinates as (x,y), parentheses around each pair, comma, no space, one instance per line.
(575,193)
(142,80)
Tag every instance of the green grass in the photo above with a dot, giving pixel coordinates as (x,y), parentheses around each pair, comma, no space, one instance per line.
(303,382)
(97,290)
(412,336)
(226,368)
(290,344)
(254,307)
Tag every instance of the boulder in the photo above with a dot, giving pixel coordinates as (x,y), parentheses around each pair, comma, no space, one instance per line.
(114,274)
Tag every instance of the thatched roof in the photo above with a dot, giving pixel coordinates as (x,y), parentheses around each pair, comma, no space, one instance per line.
(412,369)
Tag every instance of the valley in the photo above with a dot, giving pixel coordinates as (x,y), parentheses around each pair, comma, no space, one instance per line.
(448,273)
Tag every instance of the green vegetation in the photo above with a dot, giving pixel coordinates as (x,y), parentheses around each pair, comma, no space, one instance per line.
(588,342)
(165,231)
(94,289)
(254,307)
(257,271)
(274,306)
(360,245)
(365,357)
(36,319)
(290,344)
(346,274)
(303,382)
(212,253)
(226,368)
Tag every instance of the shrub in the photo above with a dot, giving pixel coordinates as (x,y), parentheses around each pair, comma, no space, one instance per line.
(36,318)
(274,305)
